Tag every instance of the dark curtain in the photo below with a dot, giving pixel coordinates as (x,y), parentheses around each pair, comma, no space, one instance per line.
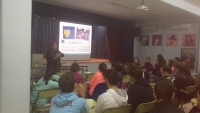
(116,45)
(99,42)
(128,39)
(44,31)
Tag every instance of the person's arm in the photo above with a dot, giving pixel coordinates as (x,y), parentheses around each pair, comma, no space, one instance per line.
(99,106)
(85,108)
(62,55)
(33,96)
(92,81)
(53,84)
(130,94)
(56,78)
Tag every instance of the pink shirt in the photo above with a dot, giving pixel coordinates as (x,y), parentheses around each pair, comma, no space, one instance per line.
(96,79)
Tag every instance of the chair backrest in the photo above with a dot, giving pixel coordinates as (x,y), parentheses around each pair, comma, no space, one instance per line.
(176,102)
(146,107)
(98,90)
(126,79)
(48,93)
(91,104)
(120,109)
(197,81)
(191,89)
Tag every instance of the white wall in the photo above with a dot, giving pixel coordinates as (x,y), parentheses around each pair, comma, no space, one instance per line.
(15,55)
(168,52)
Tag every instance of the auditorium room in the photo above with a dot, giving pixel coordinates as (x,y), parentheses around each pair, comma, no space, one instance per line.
(99,56)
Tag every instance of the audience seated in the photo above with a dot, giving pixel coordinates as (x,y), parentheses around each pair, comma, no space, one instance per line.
(97,78)
(171,64)
(140,92)
(67,101)
(177,60)
(180,69)
(49,81)
(148,66)
(166,72)
(164,92)
(98,90)
(77,77)
(196,109)
(136,62)
(180,84)
(114,96)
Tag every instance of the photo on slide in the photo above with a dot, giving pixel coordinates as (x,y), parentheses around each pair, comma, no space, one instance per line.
(189,40)
(172,40)
(83,33)
(68,32)
(157,40)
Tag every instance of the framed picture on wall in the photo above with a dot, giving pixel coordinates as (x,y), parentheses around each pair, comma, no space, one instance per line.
(157,40)
(188,56)
(189,40)
(172,40)
(144,40)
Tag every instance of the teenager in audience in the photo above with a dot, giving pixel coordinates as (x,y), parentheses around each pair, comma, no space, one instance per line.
(164,93)
(49,81)
(67,101)
(53,56)
(155,75)
(180,69)
(166,72)
(171,64)
(140,92)
(136,61)
(162,61)
(177,59)
(148,66)
(196,109)
(77,77)
(180,85)
(114,96)
(97,78)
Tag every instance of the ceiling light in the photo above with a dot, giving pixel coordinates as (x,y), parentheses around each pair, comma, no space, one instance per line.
(142,7)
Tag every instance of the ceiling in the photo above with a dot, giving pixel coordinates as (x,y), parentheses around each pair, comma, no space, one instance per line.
(126,9)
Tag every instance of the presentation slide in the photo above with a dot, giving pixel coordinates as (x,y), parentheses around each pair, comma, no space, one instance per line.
(75,41)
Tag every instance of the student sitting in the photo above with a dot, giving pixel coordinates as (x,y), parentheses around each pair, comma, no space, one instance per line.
(67,101)
(97,78)
(140,92)
(196,109)
(171,64)
(114,96)
(136,62)
(164,92)
(180,69)
(180,84)
(77,77)
(148,66)
(166,72)
(49,81)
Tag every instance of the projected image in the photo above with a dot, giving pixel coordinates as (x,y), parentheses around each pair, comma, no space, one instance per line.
(68,32)
(83,33)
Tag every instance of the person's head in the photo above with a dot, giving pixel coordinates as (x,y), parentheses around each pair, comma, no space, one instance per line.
(74,67)
(188,38)
(156,40)
(102,67)
(180,81)
(177,59)
(111,77)
(166,71)
(136,60)
(113,64)
(136,73)
(148,59)
(53,46)
(66,82)
(120,68)
(180,68)
(159,56)
(172,39)
(171,63)
(49,72)
(164,90)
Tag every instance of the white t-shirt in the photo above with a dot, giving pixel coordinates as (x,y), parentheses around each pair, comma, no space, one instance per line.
(111,98)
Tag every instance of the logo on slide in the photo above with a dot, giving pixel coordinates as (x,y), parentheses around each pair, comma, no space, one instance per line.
(68,32)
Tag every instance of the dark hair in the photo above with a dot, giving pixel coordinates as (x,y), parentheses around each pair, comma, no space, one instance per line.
(51,44)
(164,89)
(74,67)
(167,69)
(180,81)
(149,58)
(49,72)
(102,68)
(182,69)
(112,76)
(136,72)
(120,68)
(160,56)
(137,60)
(66,82)
(171,63)
(113,64)
(177,59)
(191,40)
